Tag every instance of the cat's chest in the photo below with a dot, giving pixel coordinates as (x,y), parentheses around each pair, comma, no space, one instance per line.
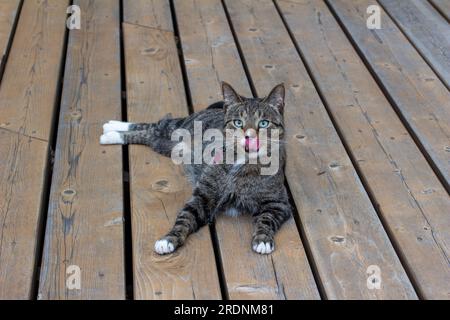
(241,196)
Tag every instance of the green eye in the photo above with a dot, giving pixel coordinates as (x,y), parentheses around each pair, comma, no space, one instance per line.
(238,123)
(264,124)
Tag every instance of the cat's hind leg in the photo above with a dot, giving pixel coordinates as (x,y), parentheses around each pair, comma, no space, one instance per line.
(157,135)
(119,126)
(116,126)
(112,137)
(118,132)
(142,137)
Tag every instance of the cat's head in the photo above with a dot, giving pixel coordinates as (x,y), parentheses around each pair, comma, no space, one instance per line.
(252,115)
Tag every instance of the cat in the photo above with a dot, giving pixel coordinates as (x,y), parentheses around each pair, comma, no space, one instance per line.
(235,188)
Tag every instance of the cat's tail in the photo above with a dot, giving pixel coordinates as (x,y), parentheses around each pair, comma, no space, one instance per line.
(157,135)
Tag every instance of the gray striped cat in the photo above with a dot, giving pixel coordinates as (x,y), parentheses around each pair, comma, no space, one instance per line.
(233,188)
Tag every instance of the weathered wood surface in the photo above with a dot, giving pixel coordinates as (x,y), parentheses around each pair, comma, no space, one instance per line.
(8,16)
(85,216)
(23,163)
(443,6)
(210,53)
(158,189)
(409,196)
(34,59)
(342,228)
(426,29)
(397,134)
(416,91)
(211,56)
(27,99)
(149,13)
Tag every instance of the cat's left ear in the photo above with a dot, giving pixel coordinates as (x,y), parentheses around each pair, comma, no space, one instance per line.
(276,97)
(230,96)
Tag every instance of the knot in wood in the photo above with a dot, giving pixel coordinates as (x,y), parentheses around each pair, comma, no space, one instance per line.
(337,239)
(68,195)
(161,185)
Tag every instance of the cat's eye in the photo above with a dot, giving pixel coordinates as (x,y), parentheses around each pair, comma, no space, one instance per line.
(264,124)
(238,124)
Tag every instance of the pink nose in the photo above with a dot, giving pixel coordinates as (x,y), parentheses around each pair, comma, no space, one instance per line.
(250,133)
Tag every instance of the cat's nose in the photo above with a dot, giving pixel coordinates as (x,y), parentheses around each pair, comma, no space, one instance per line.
(250,133)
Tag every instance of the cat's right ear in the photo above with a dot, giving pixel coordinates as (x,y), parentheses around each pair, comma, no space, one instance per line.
(229,94)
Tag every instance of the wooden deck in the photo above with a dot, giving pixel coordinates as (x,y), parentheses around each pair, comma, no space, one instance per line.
(368,136)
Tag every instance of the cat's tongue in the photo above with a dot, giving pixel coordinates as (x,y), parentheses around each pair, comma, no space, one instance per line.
(252,144)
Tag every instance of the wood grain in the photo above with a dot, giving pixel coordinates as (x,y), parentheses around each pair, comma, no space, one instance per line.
(409,196)
(443,6)
(85,216)
(158,187)
(149,13)
(417,93)
(426,29)
(8,15)
(23,163)
(342,228)
(27,99)
(211,56)
(35,58)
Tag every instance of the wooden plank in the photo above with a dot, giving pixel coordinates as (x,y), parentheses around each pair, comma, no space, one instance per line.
(343,230)
(416,91)
(209,50)
(149,13)
(443,6)
(35,56)
(409,196)
(211,56)
(85,216)
(22,172)
(158,186)
(8,13)
(426,29)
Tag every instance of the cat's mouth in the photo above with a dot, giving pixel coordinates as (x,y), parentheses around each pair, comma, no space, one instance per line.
(251,145)
(247,150)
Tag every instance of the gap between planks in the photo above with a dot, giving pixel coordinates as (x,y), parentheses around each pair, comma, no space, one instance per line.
(253,31)
(348,74)
(189,273)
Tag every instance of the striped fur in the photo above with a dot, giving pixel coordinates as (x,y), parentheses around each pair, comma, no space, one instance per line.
(227,187)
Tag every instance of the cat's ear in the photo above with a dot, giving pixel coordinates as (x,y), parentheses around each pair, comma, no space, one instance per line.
(229,94)
(276,97)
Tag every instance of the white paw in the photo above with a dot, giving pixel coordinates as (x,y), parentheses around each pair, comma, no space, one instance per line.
(164,247)
(116,126)
(111,138)
(263,248)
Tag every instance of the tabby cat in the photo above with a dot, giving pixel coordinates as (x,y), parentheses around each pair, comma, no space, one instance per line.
(220,187)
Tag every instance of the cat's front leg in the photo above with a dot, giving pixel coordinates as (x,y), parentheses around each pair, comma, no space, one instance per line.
(190,219)
(267,223)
